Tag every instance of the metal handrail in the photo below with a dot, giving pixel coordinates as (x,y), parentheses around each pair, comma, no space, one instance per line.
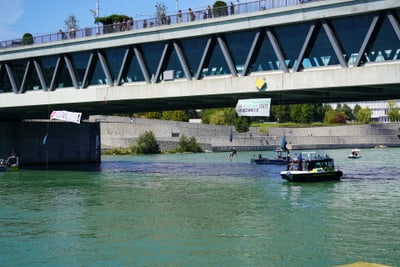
(161,20)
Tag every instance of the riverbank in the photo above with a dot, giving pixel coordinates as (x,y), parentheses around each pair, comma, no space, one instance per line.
(122,132)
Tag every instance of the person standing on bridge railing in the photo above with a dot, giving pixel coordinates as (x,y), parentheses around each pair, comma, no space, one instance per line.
(209,13)
(179,16)
(192,16)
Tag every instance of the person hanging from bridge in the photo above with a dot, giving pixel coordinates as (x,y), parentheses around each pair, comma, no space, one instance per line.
(232,154)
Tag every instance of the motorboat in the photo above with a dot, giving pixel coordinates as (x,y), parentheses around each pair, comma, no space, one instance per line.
(311,167)
(281,158)
(9,164)
(355,154)
(281,155)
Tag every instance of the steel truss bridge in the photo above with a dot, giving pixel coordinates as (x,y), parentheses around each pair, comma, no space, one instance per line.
(316,52)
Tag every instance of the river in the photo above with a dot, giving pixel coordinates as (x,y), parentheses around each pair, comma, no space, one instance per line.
(201,210)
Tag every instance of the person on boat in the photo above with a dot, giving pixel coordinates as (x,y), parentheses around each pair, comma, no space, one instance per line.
(288,161)
(299,162)
(232,154)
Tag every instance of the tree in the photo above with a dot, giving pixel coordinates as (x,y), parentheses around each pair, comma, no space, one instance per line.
(280,113)
(71,23)
(161,10)
(364,115)
(356,109)
(242,124)
(330,116)
(348,112)
(217,117)
(230,116)
(393,111)
(334,116)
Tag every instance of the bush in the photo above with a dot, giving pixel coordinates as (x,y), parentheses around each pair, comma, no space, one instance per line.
(220,8)
(27,39)
(187,145)
(147,144)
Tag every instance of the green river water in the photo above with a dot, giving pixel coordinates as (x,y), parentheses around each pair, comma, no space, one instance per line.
(201,210)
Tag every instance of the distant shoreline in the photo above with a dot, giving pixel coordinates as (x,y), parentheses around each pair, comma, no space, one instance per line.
(122,132)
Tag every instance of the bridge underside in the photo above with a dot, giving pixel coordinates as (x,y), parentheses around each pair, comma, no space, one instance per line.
(108,107)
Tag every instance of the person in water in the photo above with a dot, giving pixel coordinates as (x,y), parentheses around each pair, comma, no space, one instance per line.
(232,154)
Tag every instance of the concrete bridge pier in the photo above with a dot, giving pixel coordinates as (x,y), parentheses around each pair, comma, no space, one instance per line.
(51,142)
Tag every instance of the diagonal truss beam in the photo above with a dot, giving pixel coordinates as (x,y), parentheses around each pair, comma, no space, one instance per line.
(205,58)
(227,56)
(395,23)
(24,81)
(89,70)
(142,64)
(11,78)
(373,28)
(39,72)
(126,61)
(106,70)
(163,61)
(71,71)
(334,43)
(278,52)
(254,49)
(182,60)
(55,74)
(307,45)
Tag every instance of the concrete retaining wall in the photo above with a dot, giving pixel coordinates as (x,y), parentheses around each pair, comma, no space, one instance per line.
(123,132)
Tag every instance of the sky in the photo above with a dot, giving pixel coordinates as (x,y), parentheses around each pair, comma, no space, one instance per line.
(40,17)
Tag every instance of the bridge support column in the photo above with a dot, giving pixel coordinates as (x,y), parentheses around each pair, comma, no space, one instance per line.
(45,142)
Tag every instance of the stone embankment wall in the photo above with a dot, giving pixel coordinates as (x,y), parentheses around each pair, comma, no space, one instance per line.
(123,132)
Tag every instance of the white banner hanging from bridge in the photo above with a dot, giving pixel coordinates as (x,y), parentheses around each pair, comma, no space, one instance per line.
(257,107)
(64,115)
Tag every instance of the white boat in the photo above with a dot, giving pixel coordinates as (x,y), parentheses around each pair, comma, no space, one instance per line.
(9,164)
(355,154)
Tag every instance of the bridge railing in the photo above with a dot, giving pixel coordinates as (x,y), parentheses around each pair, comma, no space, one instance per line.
(161,21)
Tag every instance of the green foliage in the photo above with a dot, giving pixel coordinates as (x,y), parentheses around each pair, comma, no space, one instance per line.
(147,144)
(335,116)
(280,113)
(161,10)
(71,22)
(220,8)
(393,111)
(187,145)
(218,117)
(306,113)
(108,21)
(221,116)
(176,115)
(119,151)
(348,112)
(230,116)
(364,115)
(242,124)
(27,39)
(153,115)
